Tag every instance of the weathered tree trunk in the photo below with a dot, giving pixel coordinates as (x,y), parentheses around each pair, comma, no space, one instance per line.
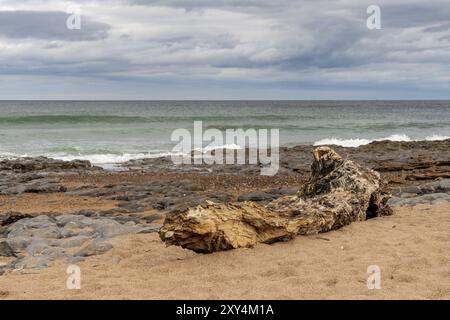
(338,193)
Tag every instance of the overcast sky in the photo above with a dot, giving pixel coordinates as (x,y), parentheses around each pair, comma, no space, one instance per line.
(219,49)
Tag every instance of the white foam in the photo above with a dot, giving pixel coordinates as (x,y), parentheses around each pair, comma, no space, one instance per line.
(105,160)
(396,137)
(354,143)
(349,143)
(99,159)
(227,146)
(436,137)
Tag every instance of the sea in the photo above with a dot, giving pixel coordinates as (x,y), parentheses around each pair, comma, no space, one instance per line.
(111,132)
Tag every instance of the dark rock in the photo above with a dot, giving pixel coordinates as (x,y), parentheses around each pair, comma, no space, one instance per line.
(164,203)
(72,242)
(193,187)
(42,163)
(124,219)
(221,196)
(11,217)
(289,191)
(152,217)
(19,243)
(41,226)
(87,213)
(19,189)
(44,188)
(432,198)
(37,247)
(130,206)
(442,186)
(90,193)
(5,249)
(256,196)
(74,259)
(31,262)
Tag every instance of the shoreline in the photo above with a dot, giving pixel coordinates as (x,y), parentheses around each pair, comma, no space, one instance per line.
(350,143)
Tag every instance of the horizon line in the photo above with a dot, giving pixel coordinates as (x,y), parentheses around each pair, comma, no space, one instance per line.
(210,100)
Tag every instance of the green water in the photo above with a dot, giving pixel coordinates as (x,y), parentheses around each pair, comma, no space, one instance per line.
(116,131)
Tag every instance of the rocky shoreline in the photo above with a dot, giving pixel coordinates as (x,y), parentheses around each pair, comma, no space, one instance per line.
(52,209)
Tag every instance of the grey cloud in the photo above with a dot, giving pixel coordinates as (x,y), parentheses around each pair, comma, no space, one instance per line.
(438,28)
(195,4)
(415,14)
(319,42)
(68,67)
(411,13)
(48,25)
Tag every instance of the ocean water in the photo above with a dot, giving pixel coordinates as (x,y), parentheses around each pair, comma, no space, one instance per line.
(108,132)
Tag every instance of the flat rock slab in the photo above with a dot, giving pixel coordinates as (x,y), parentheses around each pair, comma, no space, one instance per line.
(40,240)
(431,199)
(440,186)
(94,248)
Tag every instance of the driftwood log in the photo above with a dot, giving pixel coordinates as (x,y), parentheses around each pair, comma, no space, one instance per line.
(339,192)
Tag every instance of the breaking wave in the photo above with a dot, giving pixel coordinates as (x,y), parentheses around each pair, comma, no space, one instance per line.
(353,143)
(107,158)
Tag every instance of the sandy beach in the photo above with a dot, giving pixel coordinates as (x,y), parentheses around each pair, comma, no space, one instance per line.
(411,247)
